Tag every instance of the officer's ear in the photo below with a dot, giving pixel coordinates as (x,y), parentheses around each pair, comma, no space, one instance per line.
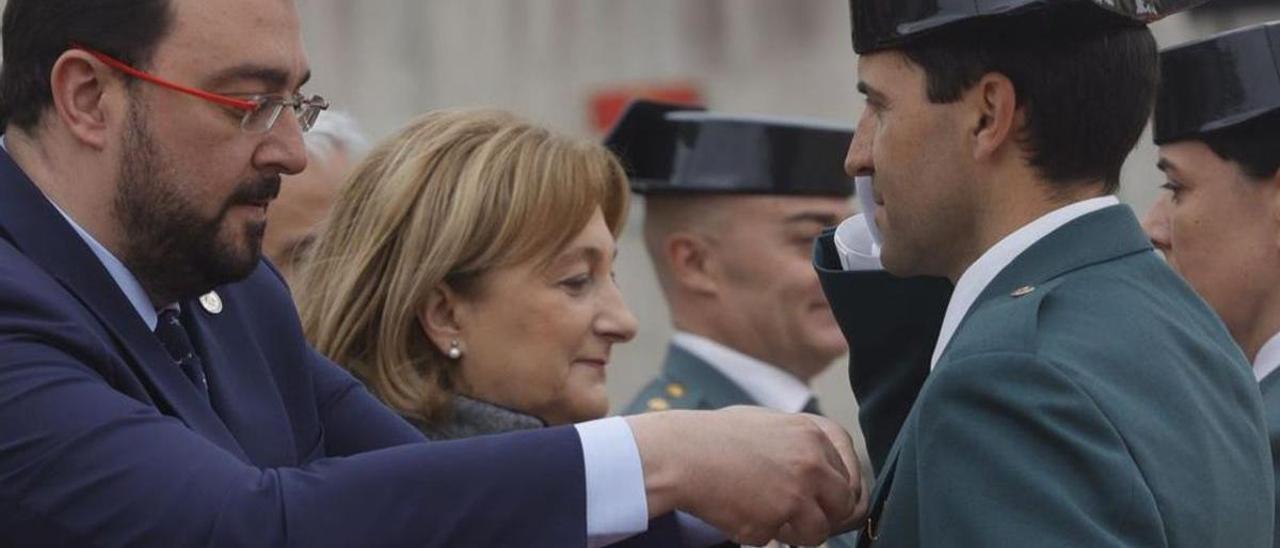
(1274,183)
(994,116)
(85,98)
(438,317)
(691,259)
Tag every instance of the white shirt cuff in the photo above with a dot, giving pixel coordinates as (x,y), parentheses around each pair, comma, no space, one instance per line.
(617,506)
(856,245)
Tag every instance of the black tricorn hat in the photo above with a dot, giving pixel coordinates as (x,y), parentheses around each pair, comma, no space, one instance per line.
(889,24)
(670,149)
(1218,83)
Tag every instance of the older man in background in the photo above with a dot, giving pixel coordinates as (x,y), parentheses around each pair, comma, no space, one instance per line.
(334,145)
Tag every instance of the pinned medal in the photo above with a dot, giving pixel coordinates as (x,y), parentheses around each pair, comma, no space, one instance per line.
(211,302)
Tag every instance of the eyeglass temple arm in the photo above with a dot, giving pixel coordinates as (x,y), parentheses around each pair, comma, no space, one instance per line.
(241,104)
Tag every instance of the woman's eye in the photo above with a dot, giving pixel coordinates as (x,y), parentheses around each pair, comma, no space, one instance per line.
(576,283)
(1173,188)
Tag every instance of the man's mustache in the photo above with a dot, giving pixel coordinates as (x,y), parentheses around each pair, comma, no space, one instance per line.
(261,190)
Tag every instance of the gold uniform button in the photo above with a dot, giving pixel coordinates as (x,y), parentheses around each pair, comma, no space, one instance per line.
(1022,291)
(658,404)
(675,390)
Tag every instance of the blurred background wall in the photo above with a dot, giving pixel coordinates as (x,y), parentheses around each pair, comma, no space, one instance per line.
(555,60)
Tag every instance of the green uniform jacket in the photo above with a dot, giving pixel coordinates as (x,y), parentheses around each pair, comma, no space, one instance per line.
(1271,404)
(1105,407)
(687,382)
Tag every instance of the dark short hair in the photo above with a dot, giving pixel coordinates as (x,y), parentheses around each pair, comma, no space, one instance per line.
(1254,145)
(37,32)
(1086,82)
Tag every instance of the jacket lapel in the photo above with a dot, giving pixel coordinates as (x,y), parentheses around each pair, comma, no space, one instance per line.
(883,485)
(1104,235)
(36,228)
(246,398)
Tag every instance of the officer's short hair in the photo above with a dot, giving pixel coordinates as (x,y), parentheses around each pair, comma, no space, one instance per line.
(1254,145)
(1087,85)
(37,32)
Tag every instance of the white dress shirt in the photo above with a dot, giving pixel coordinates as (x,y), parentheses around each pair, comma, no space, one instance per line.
(983,271)
(617,506)
(855,247)
(1268,358)
(769,386)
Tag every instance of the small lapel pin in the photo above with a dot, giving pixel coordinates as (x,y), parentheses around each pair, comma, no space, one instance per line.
(1022,291)
(211,302)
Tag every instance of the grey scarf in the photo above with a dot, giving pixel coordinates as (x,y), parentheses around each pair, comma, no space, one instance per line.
(472,417)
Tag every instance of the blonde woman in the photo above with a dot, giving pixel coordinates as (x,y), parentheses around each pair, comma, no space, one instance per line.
(466,275)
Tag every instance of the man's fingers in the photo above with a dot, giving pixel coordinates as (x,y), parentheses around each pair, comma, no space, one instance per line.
(842,443)
(856,516)
(840,492)
(858,502)
(808,526)
(809,461)
(832,453)
(859,498)
(834,497)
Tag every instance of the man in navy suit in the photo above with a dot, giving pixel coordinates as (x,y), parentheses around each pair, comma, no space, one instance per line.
(156,390)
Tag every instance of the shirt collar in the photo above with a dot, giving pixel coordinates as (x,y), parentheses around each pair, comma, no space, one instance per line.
(981,273)
(119,273)
(1268,358)
(769,386)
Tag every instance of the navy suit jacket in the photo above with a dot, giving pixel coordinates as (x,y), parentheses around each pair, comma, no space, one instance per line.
(104,441)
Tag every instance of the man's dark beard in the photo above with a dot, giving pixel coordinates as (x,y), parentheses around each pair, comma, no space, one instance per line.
(173,251)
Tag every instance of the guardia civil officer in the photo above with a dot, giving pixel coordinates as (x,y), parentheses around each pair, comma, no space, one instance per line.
(1217,124)
(1076,392)
(732,206)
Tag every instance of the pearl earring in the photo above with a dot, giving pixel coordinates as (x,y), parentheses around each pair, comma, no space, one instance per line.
(455,351)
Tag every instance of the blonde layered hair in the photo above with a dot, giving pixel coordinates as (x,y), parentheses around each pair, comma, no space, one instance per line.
(455,194)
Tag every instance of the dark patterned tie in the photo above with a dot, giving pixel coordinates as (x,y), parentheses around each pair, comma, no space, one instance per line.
(811,406)
(174,338)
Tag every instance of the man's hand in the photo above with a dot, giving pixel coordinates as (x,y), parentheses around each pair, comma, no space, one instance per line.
(844,446)
(755,474)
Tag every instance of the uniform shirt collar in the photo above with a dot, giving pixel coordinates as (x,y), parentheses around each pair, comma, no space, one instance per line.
(119,273)
(983,271)
(769,386)
(1268,358)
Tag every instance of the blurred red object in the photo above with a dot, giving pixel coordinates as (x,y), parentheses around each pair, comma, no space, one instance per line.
(607,104)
